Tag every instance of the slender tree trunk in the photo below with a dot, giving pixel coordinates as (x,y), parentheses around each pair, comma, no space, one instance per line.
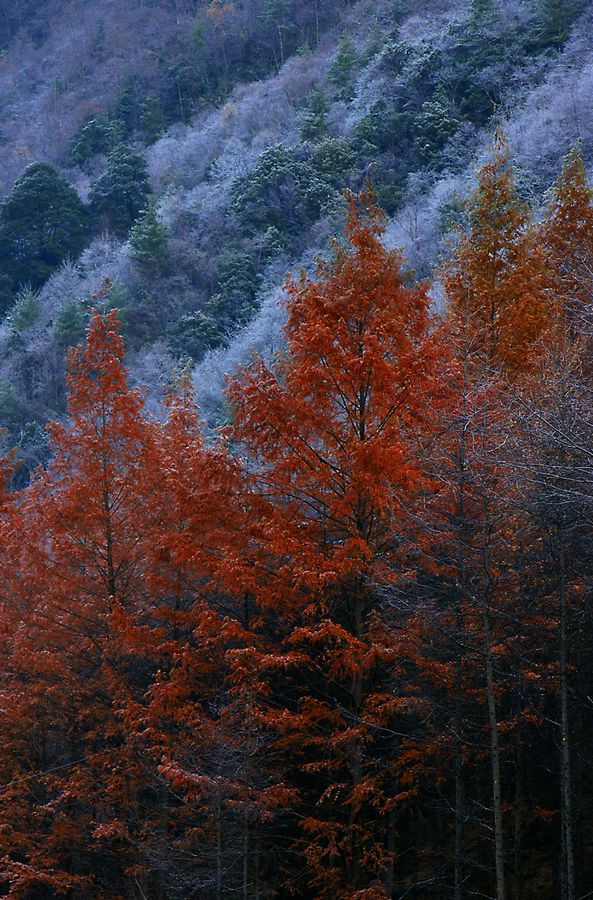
(356,749)
(317,23)
(218,847)
(459,786)
(518,824)
(180,98)
(281,41)
(461,576)
(256,868)
(389,882)
(246,857)
(495,761)
(111,581)
(565,749)
(106,500)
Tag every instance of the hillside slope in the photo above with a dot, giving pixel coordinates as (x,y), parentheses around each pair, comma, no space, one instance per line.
(252,118)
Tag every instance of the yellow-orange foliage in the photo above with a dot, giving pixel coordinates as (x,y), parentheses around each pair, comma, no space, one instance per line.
(496,281)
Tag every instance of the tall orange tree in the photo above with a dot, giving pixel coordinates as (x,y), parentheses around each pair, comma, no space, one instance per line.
(73,793)
(336,430)
(192,725)
(496,280)
(500,315)
(566,234)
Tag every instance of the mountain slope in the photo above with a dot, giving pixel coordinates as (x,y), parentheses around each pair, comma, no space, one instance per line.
(406,94)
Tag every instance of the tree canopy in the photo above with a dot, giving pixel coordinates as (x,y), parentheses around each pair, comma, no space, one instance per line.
(42,223)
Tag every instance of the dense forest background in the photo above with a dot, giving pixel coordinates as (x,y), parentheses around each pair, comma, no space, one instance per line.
(296,579)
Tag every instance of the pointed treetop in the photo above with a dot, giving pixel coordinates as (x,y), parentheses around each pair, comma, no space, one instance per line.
(495,282)
(332,419)
(95,368)
(180,402)
(566,234)
(570,215)
(495,205)
(364,215)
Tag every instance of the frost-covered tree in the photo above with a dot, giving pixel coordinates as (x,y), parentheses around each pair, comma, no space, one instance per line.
(436,122)
(333,159)
(95,136)
(25,311)
(283,191)
(70,323)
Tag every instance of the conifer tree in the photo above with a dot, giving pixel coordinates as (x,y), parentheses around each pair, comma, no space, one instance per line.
(42,223)
(496,280)
(343,68)
(567,235)
(149,243)
(93,137)
(196,723)
(472,530)
(336,427)
(69,323)
(314,126)
(119,196)
(25,311)
(90,516)
(151,118)
(555,18)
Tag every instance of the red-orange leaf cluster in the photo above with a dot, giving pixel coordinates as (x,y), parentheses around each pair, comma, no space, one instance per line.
(324,653)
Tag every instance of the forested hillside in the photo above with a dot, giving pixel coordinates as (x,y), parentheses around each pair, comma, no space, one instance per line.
(199,150)
(296,465)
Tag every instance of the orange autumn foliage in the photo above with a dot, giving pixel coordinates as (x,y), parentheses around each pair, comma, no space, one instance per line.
(496,280)
(338,426)
(246,663)
(90,517)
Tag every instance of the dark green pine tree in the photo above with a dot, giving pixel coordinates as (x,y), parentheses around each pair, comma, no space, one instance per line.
(120,195)
(151,118)
(42,223)
(343,69)
(70,323)
(480,9)
(128,108)
(555,18)
(93,137)
(233,304)
(238,282)
(149,243)
(314,123)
